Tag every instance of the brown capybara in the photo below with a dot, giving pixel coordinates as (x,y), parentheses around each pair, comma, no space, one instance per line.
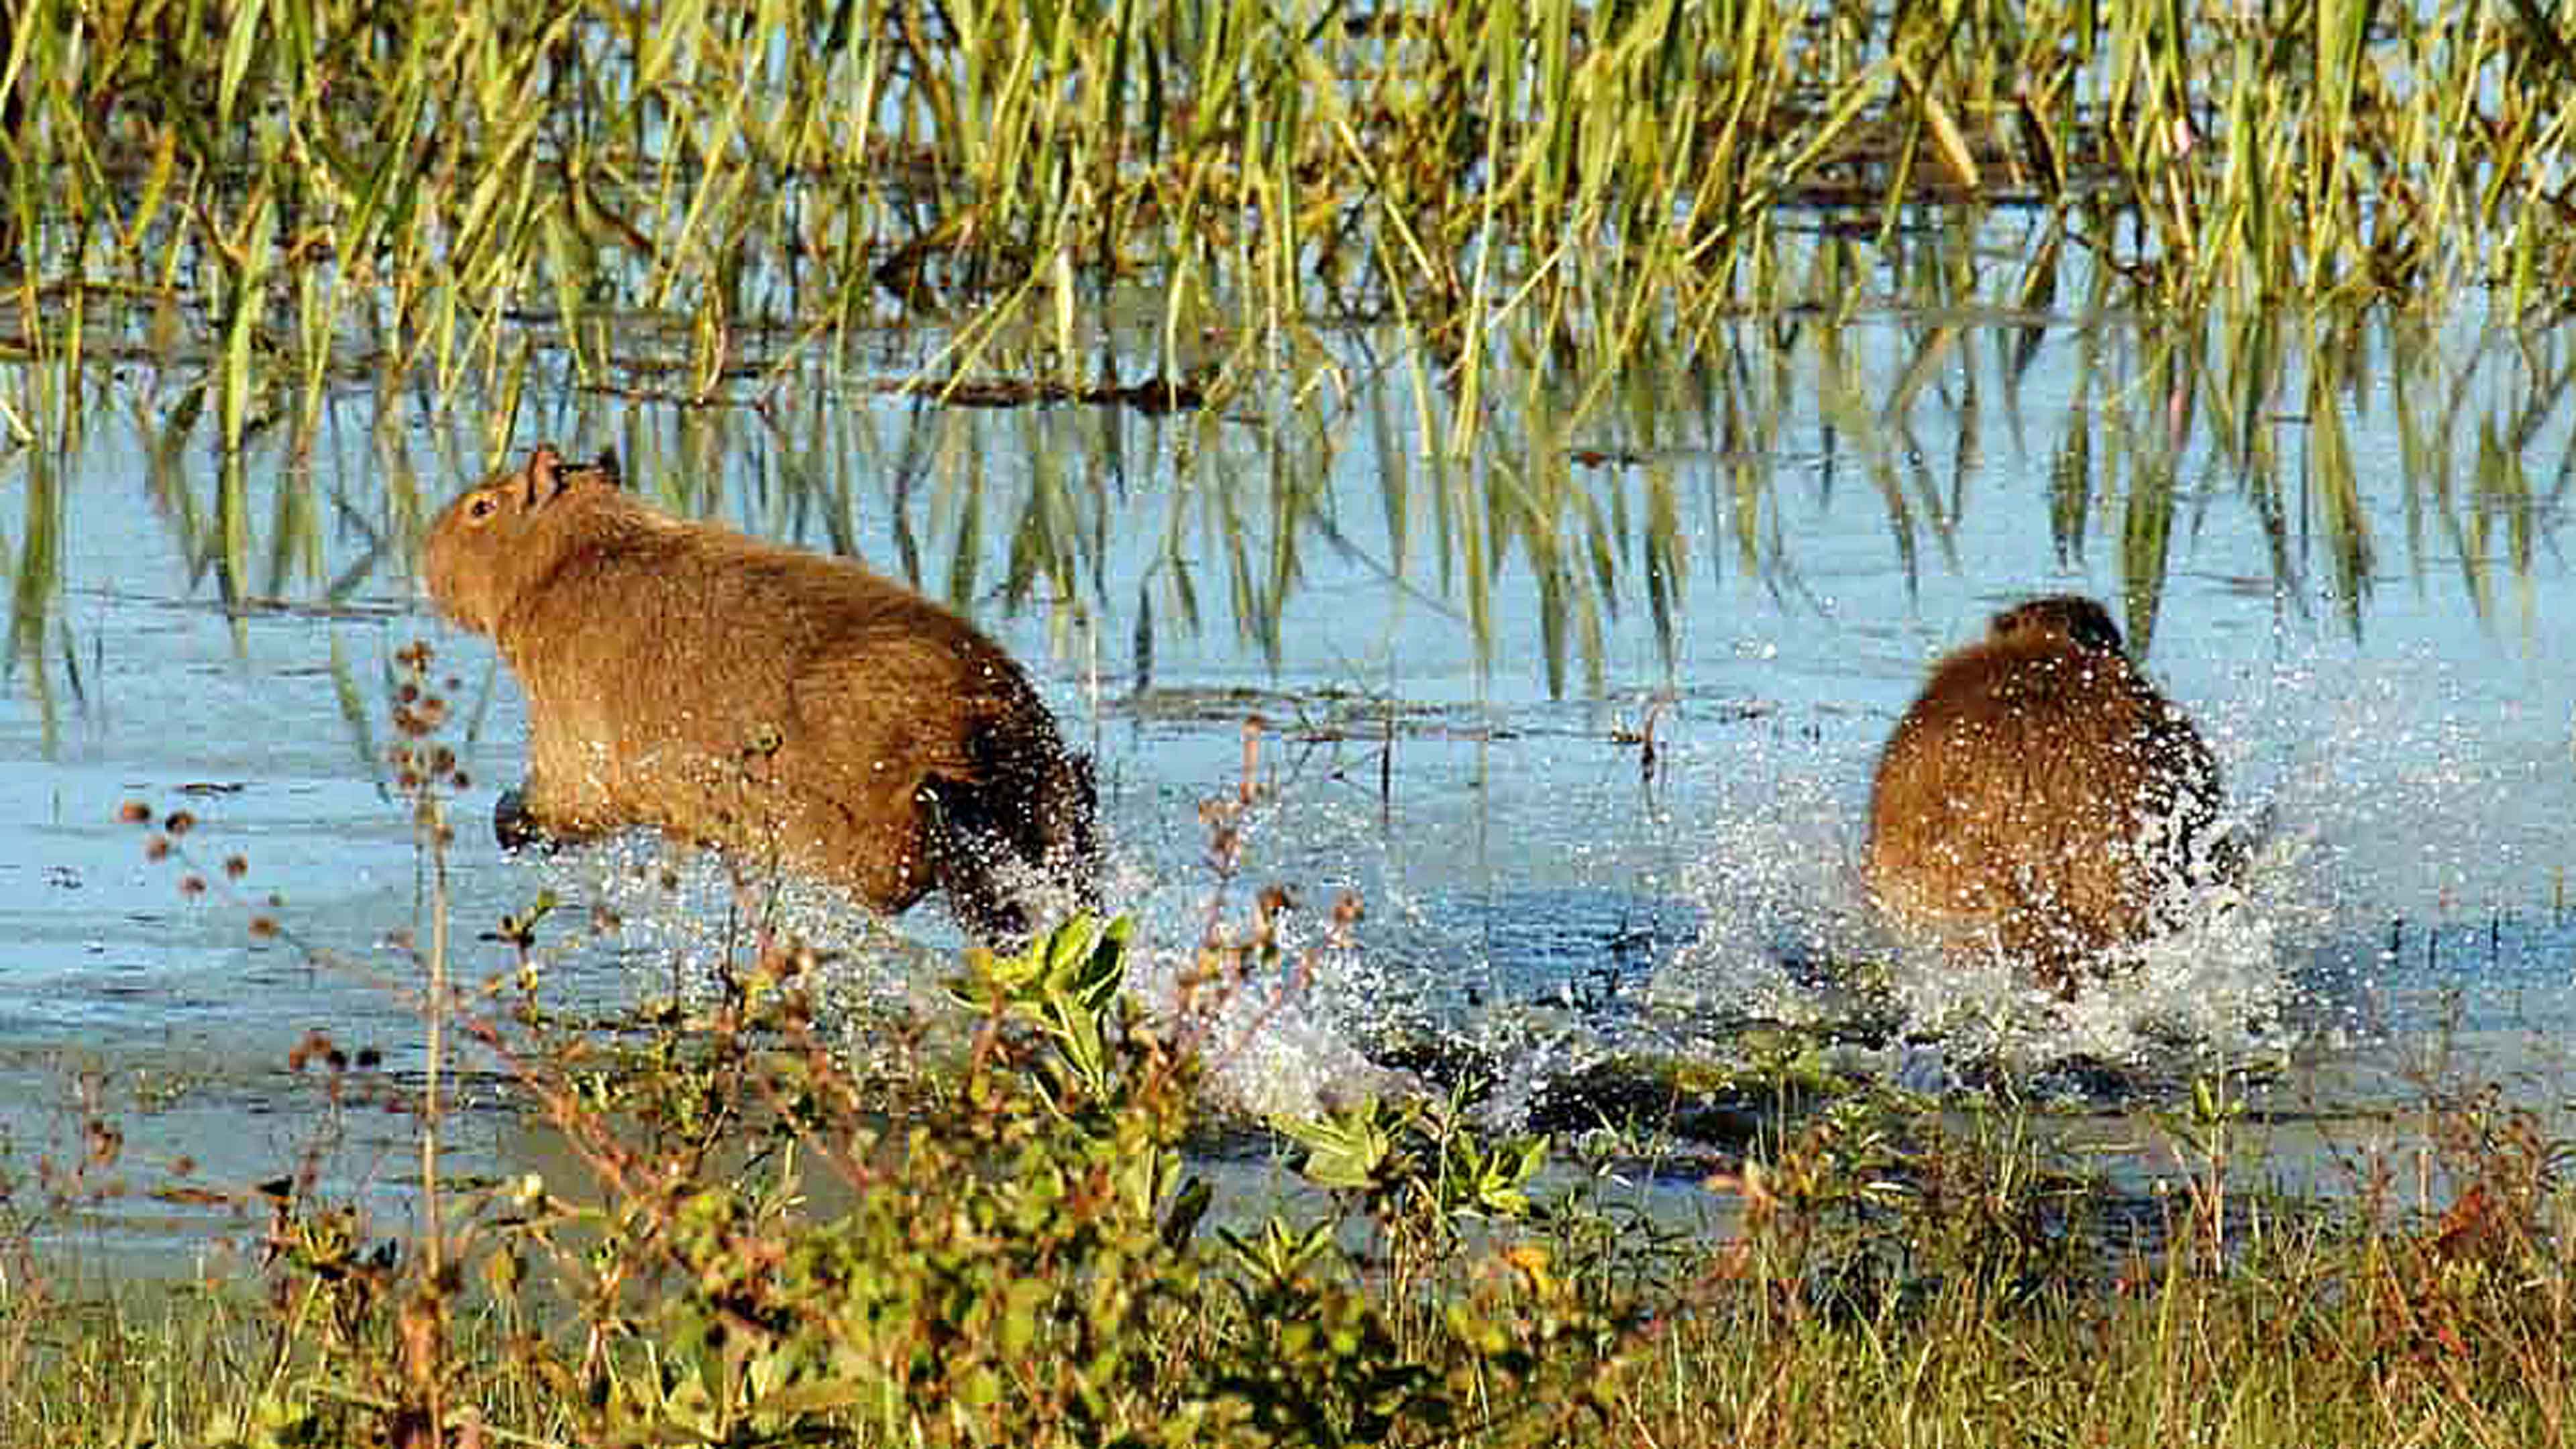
(2042,797)
(791,708)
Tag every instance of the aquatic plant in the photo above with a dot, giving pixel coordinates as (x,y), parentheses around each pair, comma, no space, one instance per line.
(320,192)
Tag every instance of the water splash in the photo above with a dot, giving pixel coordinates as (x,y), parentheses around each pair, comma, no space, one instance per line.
(680,923)
(1524,941)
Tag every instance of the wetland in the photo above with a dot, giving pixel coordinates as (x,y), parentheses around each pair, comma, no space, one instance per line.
(1481,486)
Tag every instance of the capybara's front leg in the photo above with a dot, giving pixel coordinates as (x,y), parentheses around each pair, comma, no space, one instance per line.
(520,824)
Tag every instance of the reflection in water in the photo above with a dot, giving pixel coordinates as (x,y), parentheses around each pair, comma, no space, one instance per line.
(1584,715)
(2306,457)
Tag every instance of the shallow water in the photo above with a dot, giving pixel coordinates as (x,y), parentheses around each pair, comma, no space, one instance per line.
(2377,630)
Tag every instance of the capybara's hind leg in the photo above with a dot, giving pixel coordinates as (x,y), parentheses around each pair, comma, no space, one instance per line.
(1067,836)
(968,845)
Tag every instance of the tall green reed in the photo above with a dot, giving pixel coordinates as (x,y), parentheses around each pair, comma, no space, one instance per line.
(819,167)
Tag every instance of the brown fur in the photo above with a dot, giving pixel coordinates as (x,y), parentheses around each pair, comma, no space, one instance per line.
(784,705)
(2039,794)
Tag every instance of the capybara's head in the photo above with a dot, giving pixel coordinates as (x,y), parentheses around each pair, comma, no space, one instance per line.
(507,533)
(2071,617)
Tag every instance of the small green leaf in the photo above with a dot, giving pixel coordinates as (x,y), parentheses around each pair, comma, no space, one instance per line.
(237,50)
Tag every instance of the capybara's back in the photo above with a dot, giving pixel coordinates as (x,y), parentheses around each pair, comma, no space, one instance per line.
(2040,797)
(792,708)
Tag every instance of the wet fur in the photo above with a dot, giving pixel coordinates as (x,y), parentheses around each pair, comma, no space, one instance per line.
(2040,796)
(788,707)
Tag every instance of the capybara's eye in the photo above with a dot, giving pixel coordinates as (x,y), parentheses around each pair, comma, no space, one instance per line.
(481,507)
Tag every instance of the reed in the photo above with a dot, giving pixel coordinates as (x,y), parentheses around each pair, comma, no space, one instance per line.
(805,166)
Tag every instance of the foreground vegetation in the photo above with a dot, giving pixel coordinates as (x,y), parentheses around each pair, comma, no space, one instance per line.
(1002,1223)
(1022,1268)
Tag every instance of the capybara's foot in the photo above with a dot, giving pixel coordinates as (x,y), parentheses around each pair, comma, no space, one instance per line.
(516,827)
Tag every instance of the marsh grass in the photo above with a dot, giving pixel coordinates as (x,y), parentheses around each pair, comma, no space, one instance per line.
(1890,1279)
(311,194)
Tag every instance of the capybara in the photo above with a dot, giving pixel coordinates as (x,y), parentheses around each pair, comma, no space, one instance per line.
(2042,797)
(791,708)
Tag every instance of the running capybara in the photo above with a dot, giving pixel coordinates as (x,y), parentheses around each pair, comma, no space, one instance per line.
(791,708)
(2042,797)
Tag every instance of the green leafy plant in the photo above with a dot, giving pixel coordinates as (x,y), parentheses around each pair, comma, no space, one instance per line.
(1066,985)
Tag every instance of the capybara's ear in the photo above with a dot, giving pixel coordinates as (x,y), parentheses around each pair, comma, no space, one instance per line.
(2091,626)
(2072,617)
(543,464)
(606,463)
